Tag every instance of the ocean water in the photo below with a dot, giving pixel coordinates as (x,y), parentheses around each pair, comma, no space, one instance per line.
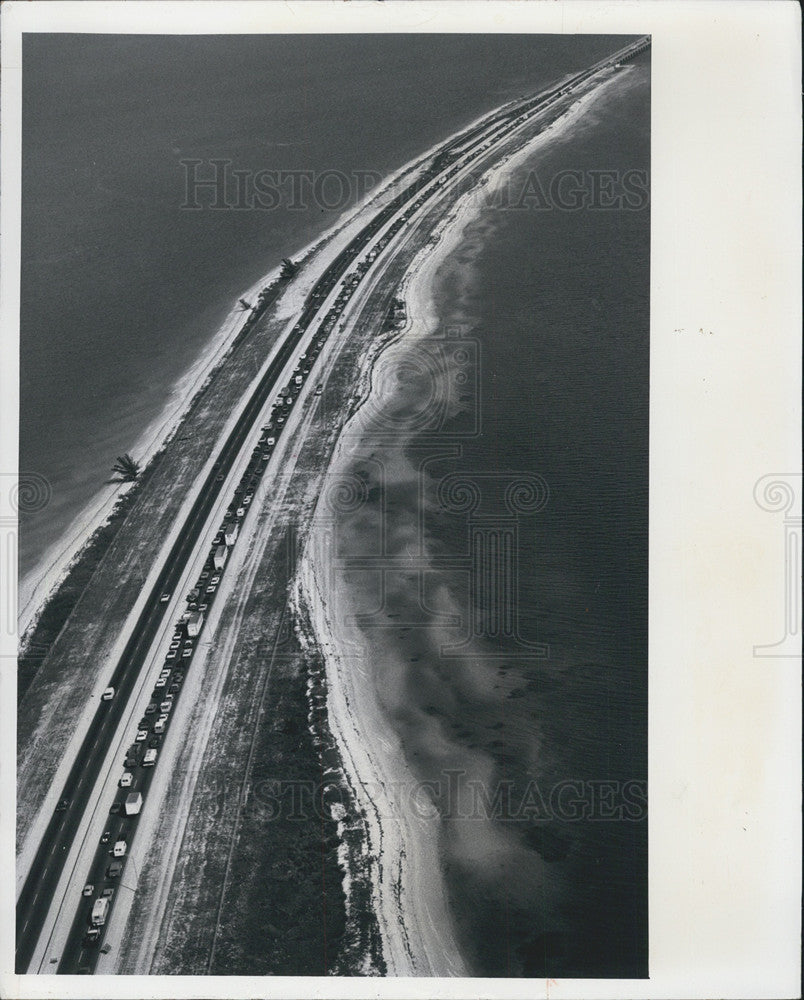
(504,463)
(121,287)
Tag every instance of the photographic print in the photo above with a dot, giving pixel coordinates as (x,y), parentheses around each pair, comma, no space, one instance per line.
(334,501)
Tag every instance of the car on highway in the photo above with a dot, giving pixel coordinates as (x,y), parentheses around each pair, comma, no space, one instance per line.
(203,607)
(187,652)
(151,708)
(166,706)
(161,723)
(126,780)
(107,893)
(164,598)
(319,389)
(115,808)
(114,869)
(88,889)
(106,835)
(62,806)
(154,741)
(271,442)
(175,687)
(162,681)
(142,734)
(108,694)
(92,937)
(215,579)
(171,653)
(149,759)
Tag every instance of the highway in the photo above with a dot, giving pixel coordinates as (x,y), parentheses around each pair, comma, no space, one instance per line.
(46,869)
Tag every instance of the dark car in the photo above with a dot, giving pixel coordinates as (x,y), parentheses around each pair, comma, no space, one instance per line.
(92,937)
(114,869)
(151,708)
(62,806)
(154,742)
(106,836)
(115,809)
(145,723)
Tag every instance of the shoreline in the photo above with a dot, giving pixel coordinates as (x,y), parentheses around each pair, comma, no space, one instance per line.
(404,856)
(42,581)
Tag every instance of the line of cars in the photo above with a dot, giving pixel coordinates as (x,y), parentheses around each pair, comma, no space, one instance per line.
(152,727)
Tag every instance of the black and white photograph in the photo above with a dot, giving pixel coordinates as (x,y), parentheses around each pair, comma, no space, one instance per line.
(346,547)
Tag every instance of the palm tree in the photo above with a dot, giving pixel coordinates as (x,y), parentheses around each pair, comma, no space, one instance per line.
(127,468)
(288,269)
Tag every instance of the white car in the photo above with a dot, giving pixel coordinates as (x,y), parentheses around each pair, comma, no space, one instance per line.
(88,889)
(127,779)
(270,442)
(141,736)
(108,694)
(165,707)
(161,682)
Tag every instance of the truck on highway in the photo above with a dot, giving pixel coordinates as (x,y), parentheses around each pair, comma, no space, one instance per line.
(133,803)
(100,910)
(195,623)
(219,559)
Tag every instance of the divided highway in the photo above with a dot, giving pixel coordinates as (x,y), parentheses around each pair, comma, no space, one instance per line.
(46,869)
